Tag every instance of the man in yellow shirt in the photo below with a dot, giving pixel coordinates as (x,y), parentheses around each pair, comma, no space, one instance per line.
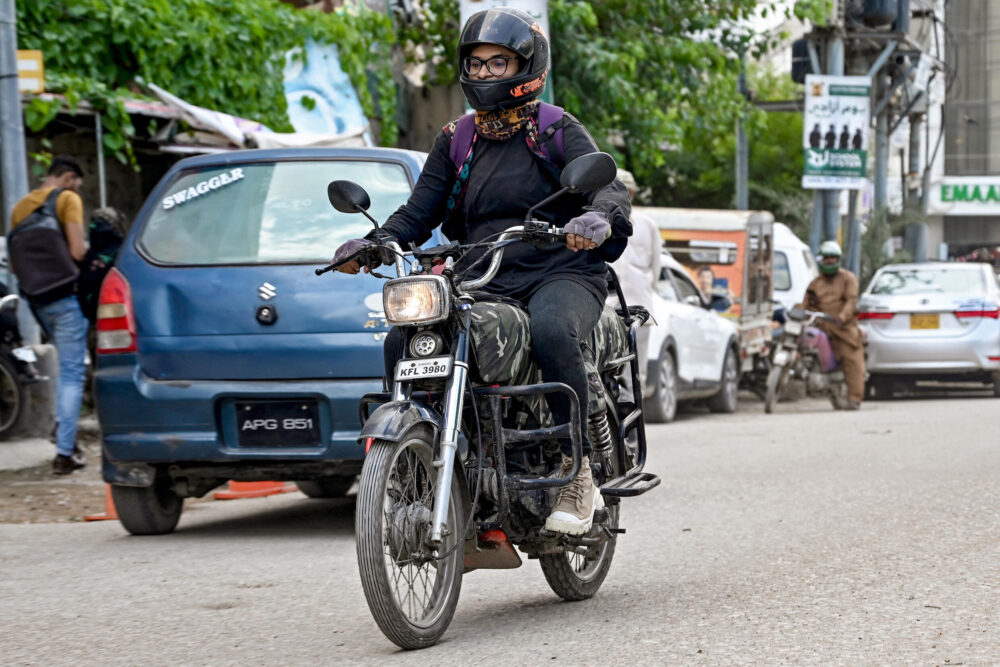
(58,310)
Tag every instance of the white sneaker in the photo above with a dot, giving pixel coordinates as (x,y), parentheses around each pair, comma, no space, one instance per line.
(578,500)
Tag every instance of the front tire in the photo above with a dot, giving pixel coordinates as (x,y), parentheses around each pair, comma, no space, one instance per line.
(725,400)
(13,398)
(148,510)
(777,378)
(412,600)
(661,407)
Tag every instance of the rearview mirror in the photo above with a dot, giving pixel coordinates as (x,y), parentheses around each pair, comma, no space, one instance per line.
(588,172)
(348,197)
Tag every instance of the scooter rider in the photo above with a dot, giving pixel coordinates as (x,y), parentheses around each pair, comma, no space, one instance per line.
(835,292)
(504,58)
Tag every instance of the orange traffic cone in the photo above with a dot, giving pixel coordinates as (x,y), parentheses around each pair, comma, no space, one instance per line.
(109,508)
(254,490)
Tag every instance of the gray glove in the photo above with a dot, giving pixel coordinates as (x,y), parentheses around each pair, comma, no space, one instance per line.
(348,248)
(591,225)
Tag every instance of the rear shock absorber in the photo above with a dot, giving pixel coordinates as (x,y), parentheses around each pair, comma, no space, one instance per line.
(599,432)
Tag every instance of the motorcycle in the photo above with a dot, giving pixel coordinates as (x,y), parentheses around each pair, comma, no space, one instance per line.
(459,453)
(804,352)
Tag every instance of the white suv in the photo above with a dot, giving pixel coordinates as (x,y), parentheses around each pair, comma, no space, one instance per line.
(693,350)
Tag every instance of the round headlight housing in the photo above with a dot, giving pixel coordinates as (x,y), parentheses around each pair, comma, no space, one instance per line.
(416,300)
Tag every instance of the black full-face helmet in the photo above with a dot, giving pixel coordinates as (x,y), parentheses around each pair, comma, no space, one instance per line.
(517,31)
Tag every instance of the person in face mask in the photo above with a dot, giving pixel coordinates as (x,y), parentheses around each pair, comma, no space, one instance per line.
(511,164)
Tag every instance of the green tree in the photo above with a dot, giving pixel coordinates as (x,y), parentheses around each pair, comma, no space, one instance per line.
(214,53)
(699,171)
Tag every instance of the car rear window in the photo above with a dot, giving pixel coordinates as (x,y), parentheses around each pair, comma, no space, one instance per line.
(933,281)
(266,213)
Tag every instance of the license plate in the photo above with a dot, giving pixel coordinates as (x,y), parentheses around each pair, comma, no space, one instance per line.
(925,321)
(277,423)
(418,369)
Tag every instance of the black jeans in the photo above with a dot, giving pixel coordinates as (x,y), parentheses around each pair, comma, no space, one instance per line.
(563,313)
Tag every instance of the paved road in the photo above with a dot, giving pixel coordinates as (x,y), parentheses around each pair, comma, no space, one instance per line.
(804,537)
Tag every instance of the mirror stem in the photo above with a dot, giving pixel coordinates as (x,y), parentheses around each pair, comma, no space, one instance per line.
(358,208)
(545,201)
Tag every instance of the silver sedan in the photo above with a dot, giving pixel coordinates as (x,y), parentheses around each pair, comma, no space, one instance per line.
(931,321)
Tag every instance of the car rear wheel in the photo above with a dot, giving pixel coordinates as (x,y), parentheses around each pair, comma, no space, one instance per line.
(725,400)
(326,487)
(148,510)
(996,385)
(661,407)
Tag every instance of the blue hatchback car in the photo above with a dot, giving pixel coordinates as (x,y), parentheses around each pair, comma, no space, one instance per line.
(220,354)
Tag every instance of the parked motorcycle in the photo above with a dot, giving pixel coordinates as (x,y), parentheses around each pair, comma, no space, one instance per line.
(17,367)
(804,352)
(459,454)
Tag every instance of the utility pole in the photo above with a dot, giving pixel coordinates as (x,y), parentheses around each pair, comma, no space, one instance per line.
(13,156)
(742,150)
(834,66)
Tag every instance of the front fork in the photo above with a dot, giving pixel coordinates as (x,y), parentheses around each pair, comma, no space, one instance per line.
(454,396)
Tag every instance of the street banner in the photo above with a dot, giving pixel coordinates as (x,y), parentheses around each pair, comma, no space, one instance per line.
(835,132)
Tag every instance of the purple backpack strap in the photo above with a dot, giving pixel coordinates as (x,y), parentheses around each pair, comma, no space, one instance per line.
(461,140)
(550,127)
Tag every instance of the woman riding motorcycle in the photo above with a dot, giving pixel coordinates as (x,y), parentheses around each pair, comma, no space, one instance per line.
(504,58)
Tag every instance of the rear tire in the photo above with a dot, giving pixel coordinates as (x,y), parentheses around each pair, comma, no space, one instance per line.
(777,378)
(661,407)
(996,385)
(395,495)
(725,399)
(148,510)
(336,486)
(573,576)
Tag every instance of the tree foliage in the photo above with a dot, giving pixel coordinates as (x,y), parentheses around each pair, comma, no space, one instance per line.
(218,54)
(700,170)
(651,80)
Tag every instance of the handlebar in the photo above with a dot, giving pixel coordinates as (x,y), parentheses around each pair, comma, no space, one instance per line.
(532,231)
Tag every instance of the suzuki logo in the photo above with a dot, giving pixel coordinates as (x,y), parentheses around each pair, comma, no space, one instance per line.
(267,291)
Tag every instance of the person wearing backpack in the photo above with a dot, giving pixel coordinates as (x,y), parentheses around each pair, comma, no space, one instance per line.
(44,245)
(483,173)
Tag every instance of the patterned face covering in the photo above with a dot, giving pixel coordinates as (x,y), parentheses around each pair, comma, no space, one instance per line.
(504,123)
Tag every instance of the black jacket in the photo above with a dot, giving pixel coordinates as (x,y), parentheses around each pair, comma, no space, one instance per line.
(505,180)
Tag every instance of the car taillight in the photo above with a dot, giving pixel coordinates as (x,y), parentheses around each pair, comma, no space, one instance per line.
(115,320)
(992,313)
(863,315)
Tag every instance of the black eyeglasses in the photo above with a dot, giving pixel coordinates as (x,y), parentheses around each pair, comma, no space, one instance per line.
(496,65)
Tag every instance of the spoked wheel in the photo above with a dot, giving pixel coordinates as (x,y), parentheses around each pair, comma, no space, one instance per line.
(411,595)
(776,380)
(578,575)
(13,398)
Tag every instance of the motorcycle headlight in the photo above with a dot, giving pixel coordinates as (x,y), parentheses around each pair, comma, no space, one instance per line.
(416,300)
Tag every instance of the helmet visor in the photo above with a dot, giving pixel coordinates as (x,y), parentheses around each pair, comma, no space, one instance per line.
(498,27)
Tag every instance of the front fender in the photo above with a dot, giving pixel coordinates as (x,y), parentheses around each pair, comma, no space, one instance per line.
(393,420)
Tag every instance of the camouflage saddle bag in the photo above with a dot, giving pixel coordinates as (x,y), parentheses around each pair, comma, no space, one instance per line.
(501,352)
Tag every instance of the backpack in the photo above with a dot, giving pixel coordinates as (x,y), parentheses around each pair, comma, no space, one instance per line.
(39,254)
(463,140)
